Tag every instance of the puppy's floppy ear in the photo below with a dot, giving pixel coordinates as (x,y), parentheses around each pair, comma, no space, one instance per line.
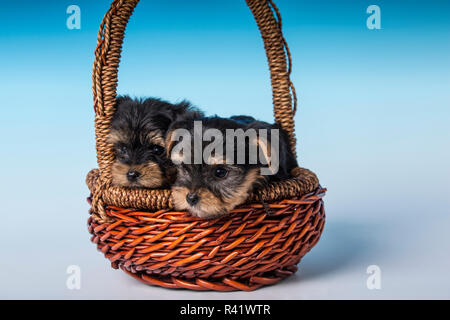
(169,142)
(178,136)
(171,133)
(264,149)
(275,153)
(268,155)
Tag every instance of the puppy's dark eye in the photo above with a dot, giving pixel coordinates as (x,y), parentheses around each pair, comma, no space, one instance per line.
(220,172)
(158,150)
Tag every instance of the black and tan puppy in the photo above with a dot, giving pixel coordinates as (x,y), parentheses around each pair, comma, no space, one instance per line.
(138,130)
(211,181)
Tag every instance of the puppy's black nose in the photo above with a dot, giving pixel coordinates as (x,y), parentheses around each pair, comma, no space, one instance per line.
(133,175)
(192,198)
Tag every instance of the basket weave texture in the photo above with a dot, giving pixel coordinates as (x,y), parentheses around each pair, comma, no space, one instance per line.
(259,243)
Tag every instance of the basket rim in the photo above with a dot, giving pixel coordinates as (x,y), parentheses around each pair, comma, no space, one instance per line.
(303,182)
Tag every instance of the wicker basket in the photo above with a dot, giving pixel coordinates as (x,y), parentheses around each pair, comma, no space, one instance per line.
(259,243)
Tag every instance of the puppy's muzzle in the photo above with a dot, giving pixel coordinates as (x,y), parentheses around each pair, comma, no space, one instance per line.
(133,175)
(192,198)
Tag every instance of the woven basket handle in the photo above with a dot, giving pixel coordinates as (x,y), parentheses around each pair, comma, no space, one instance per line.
(107,58)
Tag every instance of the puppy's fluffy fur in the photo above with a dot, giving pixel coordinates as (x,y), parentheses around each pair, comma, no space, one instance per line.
(211,190)
(138,131)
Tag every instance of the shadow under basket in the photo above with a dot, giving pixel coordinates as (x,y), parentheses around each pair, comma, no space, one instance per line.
(259,243)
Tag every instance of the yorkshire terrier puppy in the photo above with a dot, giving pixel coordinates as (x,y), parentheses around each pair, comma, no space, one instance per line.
(212,186)
(137,134)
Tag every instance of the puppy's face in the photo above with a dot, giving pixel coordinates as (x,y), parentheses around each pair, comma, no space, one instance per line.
(214,186)
(140,160)
(137,136)
(212,191)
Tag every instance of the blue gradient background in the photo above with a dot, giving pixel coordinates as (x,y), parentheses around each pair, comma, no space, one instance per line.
(373,122)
